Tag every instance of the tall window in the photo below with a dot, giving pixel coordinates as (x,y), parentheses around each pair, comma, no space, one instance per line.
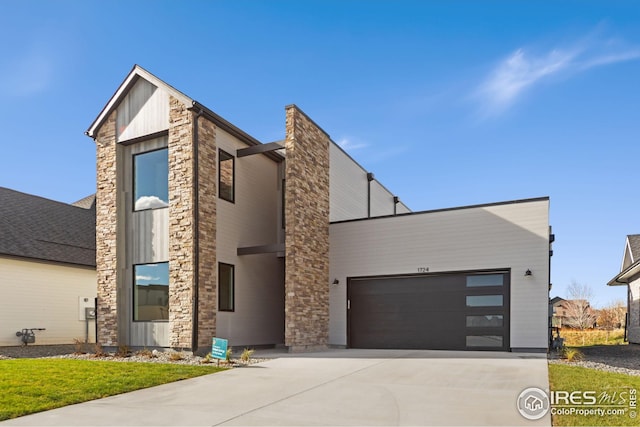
(226,178)
(151,292)
(151,180)
(226,287)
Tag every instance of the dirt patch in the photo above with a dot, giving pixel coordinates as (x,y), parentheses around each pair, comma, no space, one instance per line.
(621,356)
(31,351)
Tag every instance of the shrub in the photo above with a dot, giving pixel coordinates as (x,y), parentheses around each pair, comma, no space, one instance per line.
(123,351)
(78,344)
(174,356)
(229,354)
(246,355)
(98,351)
(571,354)
(145,352)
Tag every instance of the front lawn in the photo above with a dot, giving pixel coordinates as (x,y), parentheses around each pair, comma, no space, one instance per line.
(34,385)
(616,386)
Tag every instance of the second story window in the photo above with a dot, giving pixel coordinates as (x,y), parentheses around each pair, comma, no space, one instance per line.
(151,180)
(226,176)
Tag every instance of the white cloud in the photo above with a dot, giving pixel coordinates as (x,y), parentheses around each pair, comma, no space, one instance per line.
(522,70)
(146,278)
(150,202)
(348,144)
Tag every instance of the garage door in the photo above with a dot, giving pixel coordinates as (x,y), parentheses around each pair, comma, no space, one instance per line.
(457,311)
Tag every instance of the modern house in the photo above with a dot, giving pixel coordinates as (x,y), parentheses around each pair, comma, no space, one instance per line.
(47,268)
(630,276)
(204,231)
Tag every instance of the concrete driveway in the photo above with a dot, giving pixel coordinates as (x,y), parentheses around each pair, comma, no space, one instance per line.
(336,387)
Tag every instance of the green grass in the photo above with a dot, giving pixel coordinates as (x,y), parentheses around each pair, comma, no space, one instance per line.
(33,385)
(575,378)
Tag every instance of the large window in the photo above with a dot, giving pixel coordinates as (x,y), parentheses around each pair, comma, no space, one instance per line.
(226,178)
(151,180)
(226,287)
(151,292)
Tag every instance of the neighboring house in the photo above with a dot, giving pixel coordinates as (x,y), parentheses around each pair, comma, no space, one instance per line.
(571,313)
(204,231)
(47,267)
(630,276)
(559,312)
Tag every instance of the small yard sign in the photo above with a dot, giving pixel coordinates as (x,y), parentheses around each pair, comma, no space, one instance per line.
(219,348)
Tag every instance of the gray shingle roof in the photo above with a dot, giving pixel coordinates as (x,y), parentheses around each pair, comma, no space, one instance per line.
(86,202)
(39,228)
(634,244)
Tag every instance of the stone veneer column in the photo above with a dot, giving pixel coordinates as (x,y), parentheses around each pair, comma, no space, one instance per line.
(182,229)
(207,283)
(106,232)
(181,219)
(307,233)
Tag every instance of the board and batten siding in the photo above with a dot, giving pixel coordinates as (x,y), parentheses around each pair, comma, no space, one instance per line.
(143,111)
(45,295)
(349,190)
(513,235)
(146,233)
(252,220)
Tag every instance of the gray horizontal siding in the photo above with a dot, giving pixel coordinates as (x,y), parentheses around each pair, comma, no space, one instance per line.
(511,236)
(347,186)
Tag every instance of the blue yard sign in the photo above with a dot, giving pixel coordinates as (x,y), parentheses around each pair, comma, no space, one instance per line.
(219,348)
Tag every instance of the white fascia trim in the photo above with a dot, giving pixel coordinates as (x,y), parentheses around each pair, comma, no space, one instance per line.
(135,73)
(624,276)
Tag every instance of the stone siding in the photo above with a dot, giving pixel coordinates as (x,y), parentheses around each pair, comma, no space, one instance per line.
(106,233)
(207,283)
(307,233)
(181,221)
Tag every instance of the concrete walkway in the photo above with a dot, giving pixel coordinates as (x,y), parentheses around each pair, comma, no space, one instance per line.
(337,387)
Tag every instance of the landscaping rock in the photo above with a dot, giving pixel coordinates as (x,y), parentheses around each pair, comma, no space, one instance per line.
(155,356)
(623,359)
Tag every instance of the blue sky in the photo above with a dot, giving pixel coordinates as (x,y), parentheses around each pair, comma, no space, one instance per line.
(449,103)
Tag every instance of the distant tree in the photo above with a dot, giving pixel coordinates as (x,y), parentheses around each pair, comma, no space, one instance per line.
(578,311)
(612,316)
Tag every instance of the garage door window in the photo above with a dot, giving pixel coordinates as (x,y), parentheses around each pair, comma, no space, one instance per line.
(484,341)
(484,300)
(485,321)
(484,280)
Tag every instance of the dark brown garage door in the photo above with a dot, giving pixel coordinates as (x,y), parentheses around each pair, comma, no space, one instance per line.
(457,311)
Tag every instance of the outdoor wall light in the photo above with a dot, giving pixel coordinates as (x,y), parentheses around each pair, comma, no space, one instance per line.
(528,273)
(336,281)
